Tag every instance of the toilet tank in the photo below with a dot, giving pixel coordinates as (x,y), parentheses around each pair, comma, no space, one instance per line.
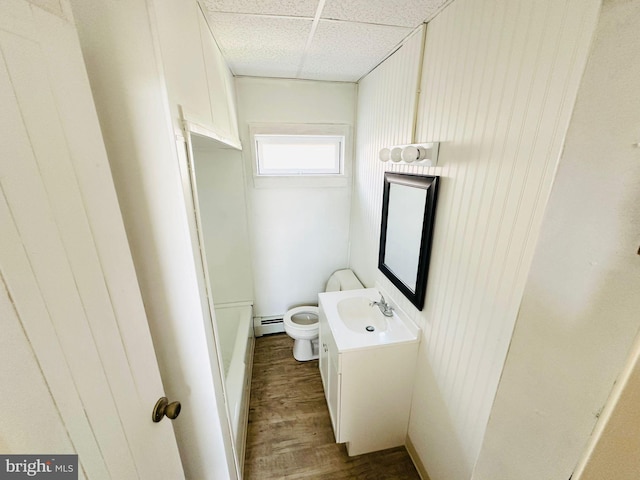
(343,280)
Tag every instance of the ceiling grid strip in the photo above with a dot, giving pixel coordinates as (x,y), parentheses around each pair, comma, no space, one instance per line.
(314,26)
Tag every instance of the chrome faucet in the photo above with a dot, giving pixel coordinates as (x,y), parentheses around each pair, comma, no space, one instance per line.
(384,307)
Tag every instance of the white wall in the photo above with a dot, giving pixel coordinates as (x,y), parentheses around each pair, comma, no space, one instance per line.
(498,87)
(579,312)
(121,49)
(300,234)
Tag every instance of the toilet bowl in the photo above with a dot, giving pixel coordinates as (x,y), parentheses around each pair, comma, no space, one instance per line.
(301,323)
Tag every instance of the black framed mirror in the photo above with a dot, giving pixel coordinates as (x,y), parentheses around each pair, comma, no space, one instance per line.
(408,217)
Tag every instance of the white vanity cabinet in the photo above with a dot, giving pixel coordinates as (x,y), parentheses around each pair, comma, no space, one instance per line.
(368,390)
(330,372)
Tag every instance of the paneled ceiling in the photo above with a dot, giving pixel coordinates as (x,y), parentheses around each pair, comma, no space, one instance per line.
(337,40)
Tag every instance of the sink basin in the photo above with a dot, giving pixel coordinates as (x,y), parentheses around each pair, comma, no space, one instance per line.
(347,314)
(358,316)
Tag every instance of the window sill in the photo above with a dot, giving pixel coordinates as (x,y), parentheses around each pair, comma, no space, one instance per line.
(302,181)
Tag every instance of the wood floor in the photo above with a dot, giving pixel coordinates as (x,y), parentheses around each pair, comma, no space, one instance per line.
(290,434)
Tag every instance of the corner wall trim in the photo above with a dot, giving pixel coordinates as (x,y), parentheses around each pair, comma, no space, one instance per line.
(416,459)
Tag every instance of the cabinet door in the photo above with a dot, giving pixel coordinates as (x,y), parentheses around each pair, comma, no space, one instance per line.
(329,371)
(333,400)
(183,61)
(332,386)
(215,69)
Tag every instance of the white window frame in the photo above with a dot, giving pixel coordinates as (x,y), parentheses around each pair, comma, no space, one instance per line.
(302,178)
(335,141)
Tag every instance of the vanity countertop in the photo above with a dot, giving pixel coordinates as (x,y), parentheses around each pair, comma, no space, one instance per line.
(349,314)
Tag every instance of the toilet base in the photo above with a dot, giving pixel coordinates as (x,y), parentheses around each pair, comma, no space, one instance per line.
(305,350)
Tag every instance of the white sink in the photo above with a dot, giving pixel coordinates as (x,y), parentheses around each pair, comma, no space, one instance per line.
(359,315)
(348,314)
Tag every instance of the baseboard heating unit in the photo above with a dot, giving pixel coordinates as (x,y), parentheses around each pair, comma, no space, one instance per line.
(267,325)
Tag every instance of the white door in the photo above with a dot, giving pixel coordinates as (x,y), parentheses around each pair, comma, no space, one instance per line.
(78,372)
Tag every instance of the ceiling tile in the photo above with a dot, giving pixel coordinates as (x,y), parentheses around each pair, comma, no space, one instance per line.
(406,13)
(292,8)
(259,45)
(344,51)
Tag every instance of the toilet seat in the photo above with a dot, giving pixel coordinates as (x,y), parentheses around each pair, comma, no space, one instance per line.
(302,322)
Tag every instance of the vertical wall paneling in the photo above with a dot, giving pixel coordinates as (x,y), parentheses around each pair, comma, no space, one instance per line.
(498,85)
(579,309)
(386,111)
(498,180)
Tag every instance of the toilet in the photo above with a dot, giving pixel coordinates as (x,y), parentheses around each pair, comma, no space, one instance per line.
(301,323)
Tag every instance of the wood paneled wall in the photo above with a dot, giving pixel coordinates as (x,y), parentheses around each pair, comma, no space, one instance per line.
(386,111)
(498,87)
(579,311)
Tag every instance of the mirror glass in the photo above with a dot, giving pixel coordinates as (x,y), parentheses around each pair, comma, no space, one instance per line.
(408,214)
(404,231)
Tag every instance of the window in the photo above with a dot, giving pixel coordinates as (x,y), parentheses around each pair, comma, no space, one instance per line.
(299,154)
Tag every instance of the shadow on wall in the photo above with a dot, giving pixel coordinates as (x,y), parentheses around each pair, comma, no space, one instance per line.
(572,338)
(422,419)
(579,311)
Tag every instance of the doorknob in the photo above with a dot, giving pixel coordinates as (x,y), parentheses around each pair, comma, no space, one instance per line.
(163,407)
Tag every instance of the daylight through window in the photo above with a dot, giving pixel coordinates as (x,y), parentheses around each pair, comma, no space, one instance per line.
(299,154)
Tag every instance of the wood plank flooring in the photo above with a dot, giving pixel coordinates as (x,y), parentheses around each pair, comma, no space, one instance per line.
(290,434)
